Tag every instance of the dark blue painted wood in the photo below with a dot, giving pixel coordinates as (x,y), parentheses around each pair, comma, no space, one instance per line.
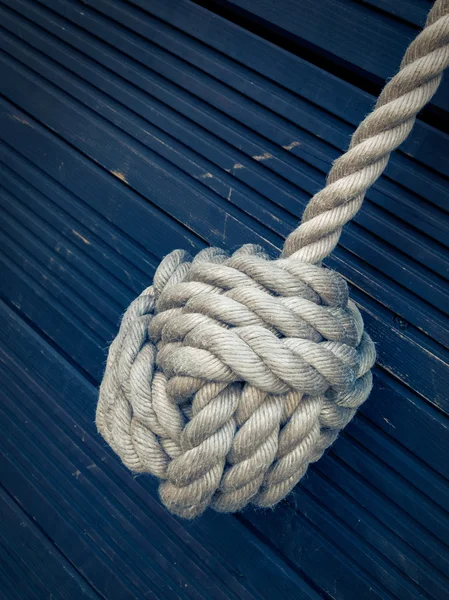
(357,35)
(130,129)
(40,569)
(304,79)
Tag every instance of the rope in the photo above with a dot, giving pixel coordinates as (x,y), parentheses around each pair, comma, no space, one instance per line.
(231,374)
(372,143)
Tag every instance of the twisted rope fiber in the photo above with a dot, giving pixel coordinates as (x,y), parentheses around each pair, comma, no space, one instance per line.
(231,374)
(376,137)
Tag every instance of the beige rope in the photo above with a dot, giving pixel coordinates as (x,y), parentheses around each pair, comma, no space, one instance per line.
(231,374)
(376,137)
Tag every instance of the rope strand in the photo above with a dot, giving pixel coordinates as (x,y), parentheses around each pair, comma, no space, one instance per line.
(376,137)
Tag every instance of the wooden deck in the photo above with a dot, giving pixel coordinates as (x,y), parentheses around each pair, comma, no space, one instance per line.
(128,129)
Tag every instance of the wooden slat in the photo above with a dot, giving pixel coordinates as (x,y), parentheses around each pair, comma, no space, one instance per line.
(350,31)
(197,209)
(305,80)
(411,11)
(14,585)
(35,566)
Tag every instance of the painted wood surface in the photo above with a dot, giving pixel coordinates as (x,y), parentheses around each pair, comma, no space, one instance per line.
(128,129)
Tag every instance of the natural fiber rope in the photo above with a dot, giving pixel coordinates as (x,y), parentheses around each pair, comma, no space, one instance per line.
(376,137)
(232,373)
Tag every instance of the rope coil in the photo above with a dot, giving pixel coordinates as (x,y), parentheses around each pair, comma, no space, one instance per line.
(231,374)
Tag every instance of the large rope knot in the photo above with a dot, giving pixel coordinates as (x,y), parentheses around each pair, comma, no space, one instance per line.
(231,374)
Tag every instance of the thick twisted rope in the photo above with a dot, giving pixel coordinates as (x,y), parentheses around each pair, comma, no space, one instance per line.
(376,137)
(231,374)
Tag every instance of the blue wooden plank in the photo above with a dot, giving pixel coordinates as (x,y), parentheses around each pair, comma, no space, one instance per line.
(368,524)
(14,586)
(366,41)
(383,473)
(199,207)
(222,181)
(51,316)
(152,573)
(371,556)
(88,181)
(405,311)
(94,317)
(90,233)
(299,76)
(45,244)
(105,578)
(382,522)
(402,347)
(411,11)
(400,415)
(36,560)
